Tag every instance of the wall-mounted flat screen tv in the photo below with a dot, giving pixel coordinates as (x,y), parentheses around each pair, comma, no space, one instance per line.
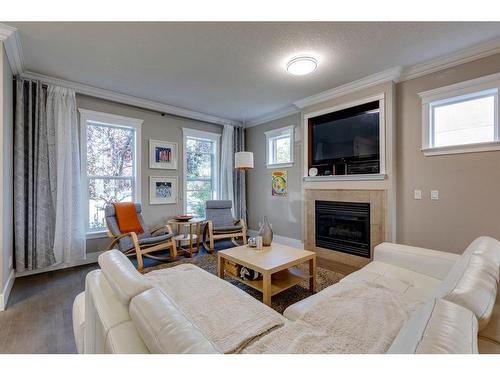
(350,134)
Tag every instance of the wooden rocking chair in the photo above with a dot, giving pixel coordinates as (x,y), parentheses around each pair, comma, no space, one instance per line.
(142,244)
(221,224)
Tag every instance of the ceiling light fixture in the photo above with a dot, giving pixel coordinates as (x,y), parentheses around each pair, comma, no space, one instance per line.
(302,65)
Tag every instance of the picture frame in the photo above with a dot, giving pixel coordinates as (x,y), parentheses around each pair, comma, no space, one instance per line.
(162,154)
(162,190)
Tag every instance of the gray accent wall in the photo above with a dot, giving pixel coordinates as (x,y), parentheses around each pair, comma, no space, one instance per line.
(155,126)
(285,213)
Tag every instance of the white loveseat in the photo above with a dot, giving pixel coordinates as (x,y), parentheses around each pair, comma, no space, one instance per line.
(122,311)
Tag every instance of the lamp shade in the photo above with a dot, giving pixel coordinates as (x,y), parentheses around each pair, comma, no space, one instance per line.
(243,160)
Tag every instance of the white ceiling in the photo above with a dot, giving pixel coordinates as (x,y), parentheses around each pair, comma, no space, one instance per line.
(233,70)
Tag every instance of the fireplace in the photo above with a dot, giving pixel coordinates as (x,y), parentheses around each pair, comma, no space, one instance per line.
(343,226)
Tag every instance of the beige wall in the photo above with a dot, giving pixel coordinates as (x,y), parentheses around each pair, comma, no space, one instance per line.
(6,169)
(468,184)
(285,213)
(155,126)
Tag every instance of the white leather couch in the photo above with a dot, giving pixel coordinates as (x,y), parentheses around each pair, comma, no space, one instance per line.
(121,312)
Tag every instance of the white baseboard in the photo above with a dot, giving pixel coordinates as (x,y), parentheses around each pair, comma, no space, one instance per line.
(90,258)
(280,239)
(4,297)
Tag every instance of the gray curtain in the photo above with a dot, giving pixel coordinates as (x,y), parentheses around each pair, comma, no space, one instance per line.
(239,184)
(34,213)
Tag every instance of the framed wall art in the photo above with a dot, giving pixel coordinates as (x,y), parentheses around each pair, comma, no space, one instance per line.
(162,189)
(162,154)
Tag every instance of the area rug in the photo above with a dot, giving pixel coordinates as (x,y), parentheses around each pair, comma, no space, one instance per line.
(324,278)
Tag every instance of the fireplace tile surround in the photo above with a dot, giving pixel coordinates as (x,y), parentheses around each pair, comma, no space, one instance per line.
(378,207)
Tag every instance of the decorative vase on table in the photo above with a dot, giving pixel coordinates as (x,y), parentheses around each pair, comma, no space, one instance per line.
(266,232)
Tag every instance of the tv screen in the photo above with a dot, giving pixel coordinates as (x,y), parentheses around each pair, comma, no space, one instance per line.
(355,136)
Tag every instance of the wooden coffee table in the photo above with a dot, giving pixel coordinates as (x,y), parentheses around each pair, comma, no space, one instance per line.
(277,264)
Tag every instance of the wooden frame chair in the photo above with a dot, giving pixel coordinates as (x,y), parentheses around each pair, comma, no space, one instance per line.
(221,224)
(143,244)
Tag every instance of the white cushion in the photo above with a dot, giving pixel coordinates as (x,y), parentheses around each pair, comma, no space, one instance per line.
(428,262)
(409,283)
(164,328)
(439,326)
(125,280)
(79,321)
(473,280)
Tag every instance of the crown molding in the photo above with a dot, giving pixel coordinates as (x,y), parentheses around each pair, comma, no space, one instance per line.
(463,56)
(391,74)
(113,96)
(284,112)
(10,37)
(396,74)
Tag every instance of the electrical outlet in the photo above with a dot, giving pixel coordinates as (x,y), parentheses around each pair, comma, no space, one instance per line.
(435,195)
(418,194)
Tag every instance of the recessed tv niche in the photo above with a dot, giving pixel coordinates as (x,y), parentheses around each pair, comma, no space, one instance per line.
(346,141)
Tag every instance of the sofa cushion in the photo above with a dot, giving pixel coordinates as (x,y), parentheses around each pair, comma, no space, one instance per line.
(473,280)
(121,275)
(436,264)
(78,316)
(164,328)
(439,326)
(411,284)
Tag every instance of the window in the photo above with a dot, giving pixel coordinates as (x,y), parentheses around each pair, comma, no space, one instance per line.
(279,147)
(461,118)
(110,164)
(201,162)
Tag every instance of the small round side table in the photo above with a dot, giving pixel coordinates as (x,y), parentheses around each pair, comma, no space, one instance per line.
(192,235)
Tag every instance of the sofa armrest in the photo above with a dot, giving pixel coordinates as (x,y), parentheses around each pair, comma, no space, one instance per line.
(432,263)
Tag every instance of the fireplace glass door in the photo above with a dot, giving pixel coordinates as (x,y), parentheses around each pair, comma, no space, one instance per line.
(343,226)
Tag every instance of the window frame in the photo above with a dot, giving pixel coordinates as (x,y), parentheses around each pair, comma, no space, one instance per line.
(115,121)
(188,133)
(459,93)
(271,136)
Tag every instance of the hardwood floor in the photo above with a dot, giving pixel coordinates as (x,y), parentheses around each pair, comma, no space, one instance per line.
(38,315)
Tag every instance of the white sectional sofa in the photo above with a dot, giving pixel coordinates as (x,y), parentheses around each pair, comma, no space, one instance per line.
(456,308)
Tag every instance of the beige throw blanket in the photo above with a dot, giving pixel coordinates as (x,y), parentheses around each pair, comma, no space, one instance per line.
(226,315)
(353,318)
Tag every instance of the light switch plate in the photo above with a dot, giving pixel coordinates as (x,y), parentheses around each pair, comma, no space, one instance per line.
(418,194)
(435,195)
